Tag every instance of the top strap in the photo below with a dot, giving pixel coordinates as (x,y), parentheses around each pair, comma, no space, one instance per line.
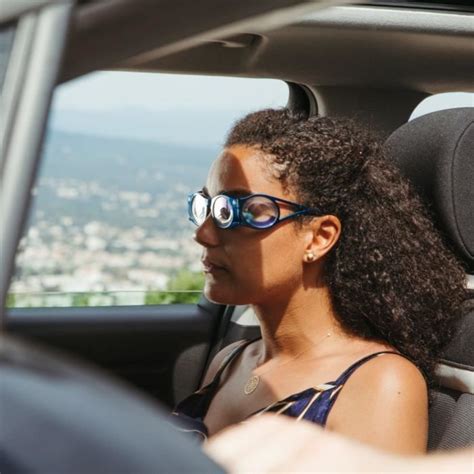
(212,387)
(342,379)
(333,394)
(230,357)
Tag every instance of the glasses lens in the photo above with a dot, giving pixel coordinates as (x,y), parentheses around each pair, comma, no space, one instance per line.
(222,211)
(260,212)
(199,208)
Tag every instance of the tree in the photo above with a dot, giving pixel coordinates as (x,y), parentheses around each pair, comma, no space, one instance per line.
(184,287)
(81,299)
(10,303)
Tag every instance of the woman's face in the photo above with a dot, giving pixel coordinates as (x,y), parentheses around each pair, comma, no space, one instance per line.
(244,265)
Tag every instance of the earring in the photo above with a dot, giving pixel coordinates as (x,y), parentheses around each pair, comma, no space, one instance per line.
(309,257)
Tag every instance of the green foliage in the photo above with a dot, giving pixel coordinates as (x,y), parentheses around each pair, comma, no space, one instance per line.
(184,287)
(81,299)
(10,303)
(185,280)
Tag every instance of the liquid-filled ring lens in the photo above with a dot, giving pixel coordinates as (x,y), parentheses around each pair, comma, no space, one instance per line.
(222,211)
(199,208)
(260,212)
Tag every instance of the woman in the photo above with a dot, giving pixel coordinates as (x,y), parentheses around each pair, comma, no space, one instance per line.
(304,220)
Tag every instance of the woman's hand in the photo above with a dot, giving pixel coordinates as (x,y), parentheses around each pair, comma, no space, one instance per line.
(272,443)
(279,444)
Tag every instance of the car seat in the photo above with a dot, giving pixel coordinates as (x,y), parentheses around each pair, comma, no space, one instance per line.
(436,153)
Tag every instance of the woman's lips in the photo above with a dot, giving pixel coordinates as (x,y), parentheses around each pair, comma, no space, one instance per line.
(211,267)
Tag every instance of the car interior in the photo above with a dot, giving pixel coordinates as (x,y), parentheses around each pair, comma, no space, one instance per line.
(373,61)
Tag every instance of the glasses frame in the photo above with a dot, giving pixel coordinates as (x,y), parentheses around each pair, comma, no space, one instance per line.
(237,205)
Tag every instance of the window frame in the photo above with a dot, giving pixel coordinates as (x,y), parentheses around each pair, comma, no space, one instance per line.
(297,97)
(39,41)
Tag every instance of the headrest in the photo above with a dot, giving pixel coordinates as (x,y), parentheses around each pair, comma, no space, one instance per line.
(436,153)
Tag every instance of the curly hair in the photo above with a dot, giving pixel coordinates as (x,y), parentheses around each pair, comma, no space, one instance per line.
(390,276)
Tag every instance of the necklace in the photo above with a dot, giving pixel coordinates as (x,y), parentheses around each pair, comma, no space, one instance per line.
(253,381)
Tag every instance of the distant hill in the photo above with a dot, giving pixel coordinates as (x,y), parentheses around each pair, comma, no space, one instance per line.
(167,172)
(124,164)
(189,126)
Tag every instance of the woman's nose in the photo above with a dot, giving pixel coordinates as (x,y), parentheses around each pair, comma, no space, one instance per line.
(207,234)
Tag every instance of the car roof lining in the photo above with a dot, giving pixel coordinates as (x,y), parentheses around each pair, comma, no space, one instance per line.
(107,33)
(378,58)
(426,51)
(454,5)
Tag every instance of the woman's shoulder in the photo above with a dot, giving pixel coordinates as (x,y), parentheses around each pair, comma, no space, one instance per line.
(388,391)
(388,372)
(385,371)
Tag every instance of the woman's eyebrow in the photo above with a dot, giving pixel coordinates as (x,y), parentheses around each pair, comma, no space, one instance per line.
(235,192)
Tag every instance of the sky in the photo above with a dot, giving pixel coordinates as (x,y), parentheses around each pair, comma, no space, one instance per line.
(108,90)
(161,107)
(166,107)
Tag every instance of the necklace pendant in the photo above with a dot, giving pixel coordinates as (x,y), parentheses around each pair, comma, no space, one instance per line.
(251,385)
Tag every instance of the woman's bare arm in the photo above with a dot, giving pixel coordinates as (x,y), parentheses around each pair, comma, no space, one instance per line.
(384,404)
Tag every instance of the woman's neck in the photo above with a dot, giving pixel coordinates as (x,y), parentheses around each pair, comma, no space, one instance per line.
(301,325)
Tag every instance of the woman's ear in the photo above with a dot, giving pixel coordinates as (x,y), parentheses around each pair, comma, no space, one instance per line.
(323,233)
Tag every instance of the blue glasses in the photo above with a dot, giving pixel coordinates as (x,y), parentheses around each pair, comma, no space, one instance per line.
(259,211)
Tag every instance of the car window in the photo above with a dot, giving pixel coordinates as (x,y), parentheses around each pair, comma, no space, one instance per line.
(7,33)
(108,224)
(447,100)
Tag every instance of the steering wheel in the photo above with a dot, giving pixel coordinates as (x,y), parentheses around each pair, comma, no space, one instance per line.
(57,417)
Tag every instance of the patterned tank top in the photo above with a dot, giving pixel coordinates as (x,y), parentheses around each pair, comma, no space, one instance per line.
(312,404)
